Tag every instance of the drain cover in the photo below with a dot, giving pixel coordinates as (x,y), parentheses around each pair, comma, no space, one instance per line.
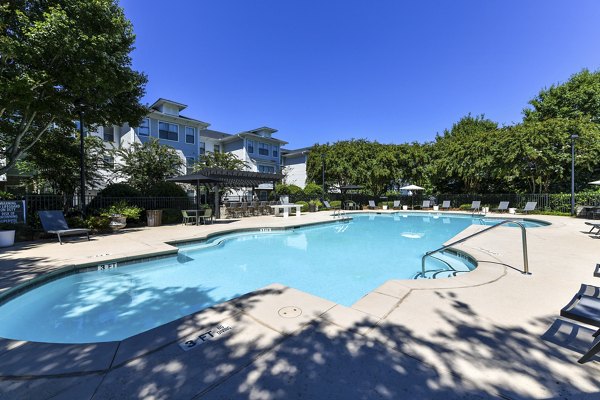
(290,312)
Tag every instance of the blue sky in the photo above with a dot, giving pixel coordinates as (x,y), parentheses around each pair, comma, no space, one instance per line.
(388,70)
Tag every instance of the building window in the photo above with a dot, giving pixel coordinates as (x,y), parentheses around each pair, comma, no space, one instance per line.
(109,162)
(267,169)
(217,148)
(275,151)
(144,128)
(190,135)
(189,161)
(109,133)
(263,149)
(168,131)
(202,148)
(250,146)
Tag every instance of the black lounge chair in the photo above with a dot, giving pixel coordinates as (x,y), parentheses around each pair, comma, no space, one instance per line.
(597,271)
(54,222)
(585,307)
(594,225)
(503,206)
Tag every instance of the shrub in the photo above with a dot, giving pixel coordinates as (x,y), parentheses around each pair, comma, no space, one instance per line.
(171,216)
(313,191)
(97,223)
(284,189)
(166,189)
(124,209)
(465,207)
(335,203)
(304,205)
(119,190)
(6,196)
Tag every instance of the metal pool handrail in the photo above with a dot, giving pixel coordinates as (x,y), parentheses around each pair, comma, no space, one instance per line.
(523,240)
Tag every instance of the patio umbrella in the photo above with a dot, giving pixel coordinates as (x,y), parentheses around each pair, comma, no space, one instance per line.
(411,188)
(595,183)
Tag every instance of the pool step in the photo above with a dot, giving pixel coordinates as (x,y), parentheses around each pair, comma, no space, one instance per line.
(445,265)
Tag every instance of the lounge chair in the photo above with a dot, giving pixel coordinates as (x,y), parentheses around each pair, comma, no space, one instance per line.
(594,225)
(426,204)
(396,205)
(207,216)
(445,205)
(597,271)
(585,307)
(372,205)
(476,206)
(54,222)
(328,206)
(503,206)
(530,206)
(187,218)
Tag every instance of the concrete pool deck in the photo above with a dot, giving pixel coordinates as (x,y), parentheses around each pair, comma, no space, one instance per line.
(493,332)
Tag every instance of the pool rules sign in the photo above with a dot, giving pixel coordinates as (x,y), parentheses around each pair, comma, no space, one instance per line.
(12,211)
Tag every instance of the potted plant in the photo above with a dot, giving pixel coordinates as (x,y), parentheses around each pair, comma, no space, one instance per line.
(7,235)
(384,205)
(119,213)
(313,206)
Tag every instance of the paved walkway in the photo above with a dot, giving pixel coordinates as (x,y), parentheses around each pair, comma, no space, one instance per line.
(492,332)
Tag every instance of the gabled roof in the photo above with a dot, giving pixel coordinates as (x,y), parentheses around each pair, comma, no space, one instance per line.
(213,134)
(296,152)
(162,101)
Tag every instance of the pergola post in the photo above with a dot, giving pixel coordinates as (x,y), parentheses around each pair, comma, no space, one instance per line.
(217,206)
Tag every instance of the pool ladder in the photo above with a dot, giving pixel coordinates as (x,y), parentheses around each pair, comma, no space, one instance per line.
(339,213)
(523,241)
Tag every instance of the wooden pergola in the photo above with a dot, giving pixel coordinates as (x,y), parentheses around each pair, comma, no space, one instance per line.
(219,178)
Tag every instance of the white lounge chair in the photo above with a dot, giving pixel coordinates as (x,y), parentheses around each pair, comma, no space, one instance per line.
(476,206)
(503,206)
(445,205)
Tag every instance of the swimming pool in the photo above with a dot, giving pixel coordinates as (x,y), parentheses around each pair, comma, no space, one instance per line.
(341,262)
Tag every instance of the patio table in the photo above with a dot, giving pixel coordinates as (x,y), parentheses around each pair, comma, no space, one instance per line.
(286,209)
(195,213)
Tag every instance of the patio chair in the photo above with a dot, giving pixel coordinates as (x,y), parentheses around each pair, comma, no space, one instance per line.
(372,205)
(445,205)
(207,216)
(187,218)
(54,222)
(426,204)
(530,206)
(585,307)
(397,205)
(594,225)
(597,271)
(503,206)
(476,206)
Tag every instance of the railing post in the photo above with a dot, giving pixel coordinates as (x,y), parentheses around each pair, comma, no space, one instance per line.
(525,256)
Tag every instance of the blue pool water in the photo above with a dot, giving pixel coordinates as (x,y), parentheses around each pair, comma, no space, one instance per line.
(341,262)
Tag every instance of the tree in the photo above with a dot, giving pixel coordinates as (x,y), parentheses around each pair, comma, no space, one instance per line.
(220,160)
(55,163)
(146,165)
(464,156)
(576,99)
(58,58)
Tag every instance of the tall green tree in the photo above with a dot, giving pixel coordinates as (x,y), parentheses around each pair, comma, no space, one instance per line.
(577,99)
(148,164)
(54,163)
(220,160)
(59,57)
(464,156)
